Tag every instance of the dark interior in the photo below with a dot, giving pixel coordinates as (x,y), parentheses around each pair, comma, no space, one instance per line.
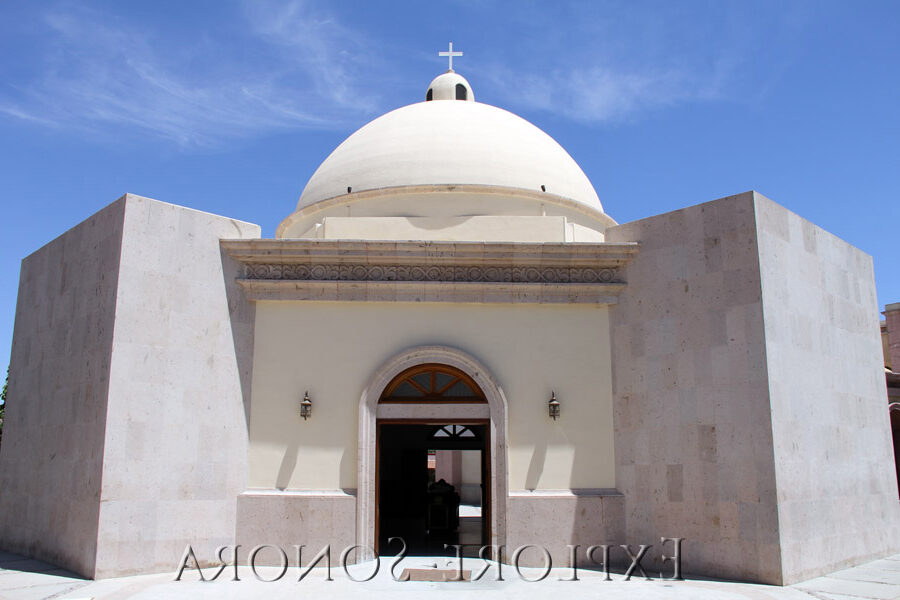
(411,504)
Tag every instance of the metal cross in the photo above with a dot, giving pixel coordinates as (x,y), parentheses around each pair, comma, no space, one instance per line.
(450,54)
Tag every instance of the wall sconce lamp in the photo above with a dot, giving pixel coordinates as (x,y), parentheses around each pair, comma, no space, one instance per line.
(553,406)
(306,406)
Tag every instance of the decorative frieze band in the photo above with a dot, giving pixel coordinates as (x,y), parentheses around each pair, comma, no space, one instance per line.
(473,273)
(430,271)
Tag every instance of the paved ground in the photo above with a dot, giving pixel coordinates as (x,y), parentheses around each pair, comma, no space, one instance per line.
(26,579)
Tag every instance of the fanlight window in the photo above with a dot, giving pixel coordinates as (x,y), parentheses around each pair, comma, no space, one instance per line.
(452,432)
(432,383)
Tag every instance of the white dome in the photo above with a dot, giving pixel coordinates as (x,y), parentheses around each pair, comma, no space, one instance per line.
(449,143)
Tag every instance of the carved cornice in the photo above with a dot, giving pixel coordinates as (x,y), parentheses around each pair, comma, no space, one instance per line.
(424,273)
(430,271)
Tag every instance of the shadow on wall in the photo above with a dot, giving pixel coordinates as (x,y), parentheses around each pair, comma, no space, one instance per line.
(243,315)
(292,456)
(288,464)
(557,435)
(349,462)
(536,466)
(584,517)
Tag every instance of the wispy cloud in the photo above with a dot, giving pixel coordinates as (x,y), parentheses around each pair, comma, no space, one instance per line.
(272,65)
(328,52)
(604,94)
(101,74)
(616,62)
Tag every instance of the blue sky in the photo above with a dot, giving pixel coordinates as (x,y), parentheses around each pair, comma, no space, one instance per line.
(229,107)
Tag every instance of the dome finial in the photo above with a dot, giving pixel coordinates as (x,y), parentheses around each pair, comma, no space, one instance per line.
(450,54)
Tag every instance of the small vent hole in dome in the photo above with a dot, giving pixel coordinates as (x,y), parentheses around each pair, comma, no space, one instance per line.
(429,95)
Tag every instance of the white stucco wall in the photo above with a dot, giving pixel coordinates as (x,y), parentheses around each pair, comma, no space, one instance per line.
(450,201)
(332,349)
(473,228)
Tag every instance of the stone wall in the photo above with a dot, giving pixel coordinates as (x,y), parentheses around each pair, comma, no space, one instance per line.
(556,519)
(749,397)
(693,433)
(287,519)
(53,443)
(837,488)
(176,438)
(126,434)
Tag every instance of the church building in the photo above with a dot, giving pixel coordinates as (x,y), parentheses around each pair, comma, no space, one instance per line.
(450,340)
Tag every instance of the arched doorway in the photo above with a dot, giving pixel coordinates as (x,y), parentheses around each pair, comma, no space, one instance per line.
(434,388)
(426,468)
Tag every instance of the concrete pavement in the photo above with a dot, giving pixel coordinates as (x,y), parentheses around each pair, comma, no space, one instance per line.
(27,579)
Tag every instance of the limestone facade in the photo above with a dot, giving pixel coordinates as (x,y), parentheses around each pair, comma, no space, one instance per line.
(128,329)
(51,461)
(749,405)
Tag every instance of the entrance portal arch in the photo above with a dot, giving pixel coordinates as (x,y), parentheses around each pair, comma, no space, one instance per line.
(494,411)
